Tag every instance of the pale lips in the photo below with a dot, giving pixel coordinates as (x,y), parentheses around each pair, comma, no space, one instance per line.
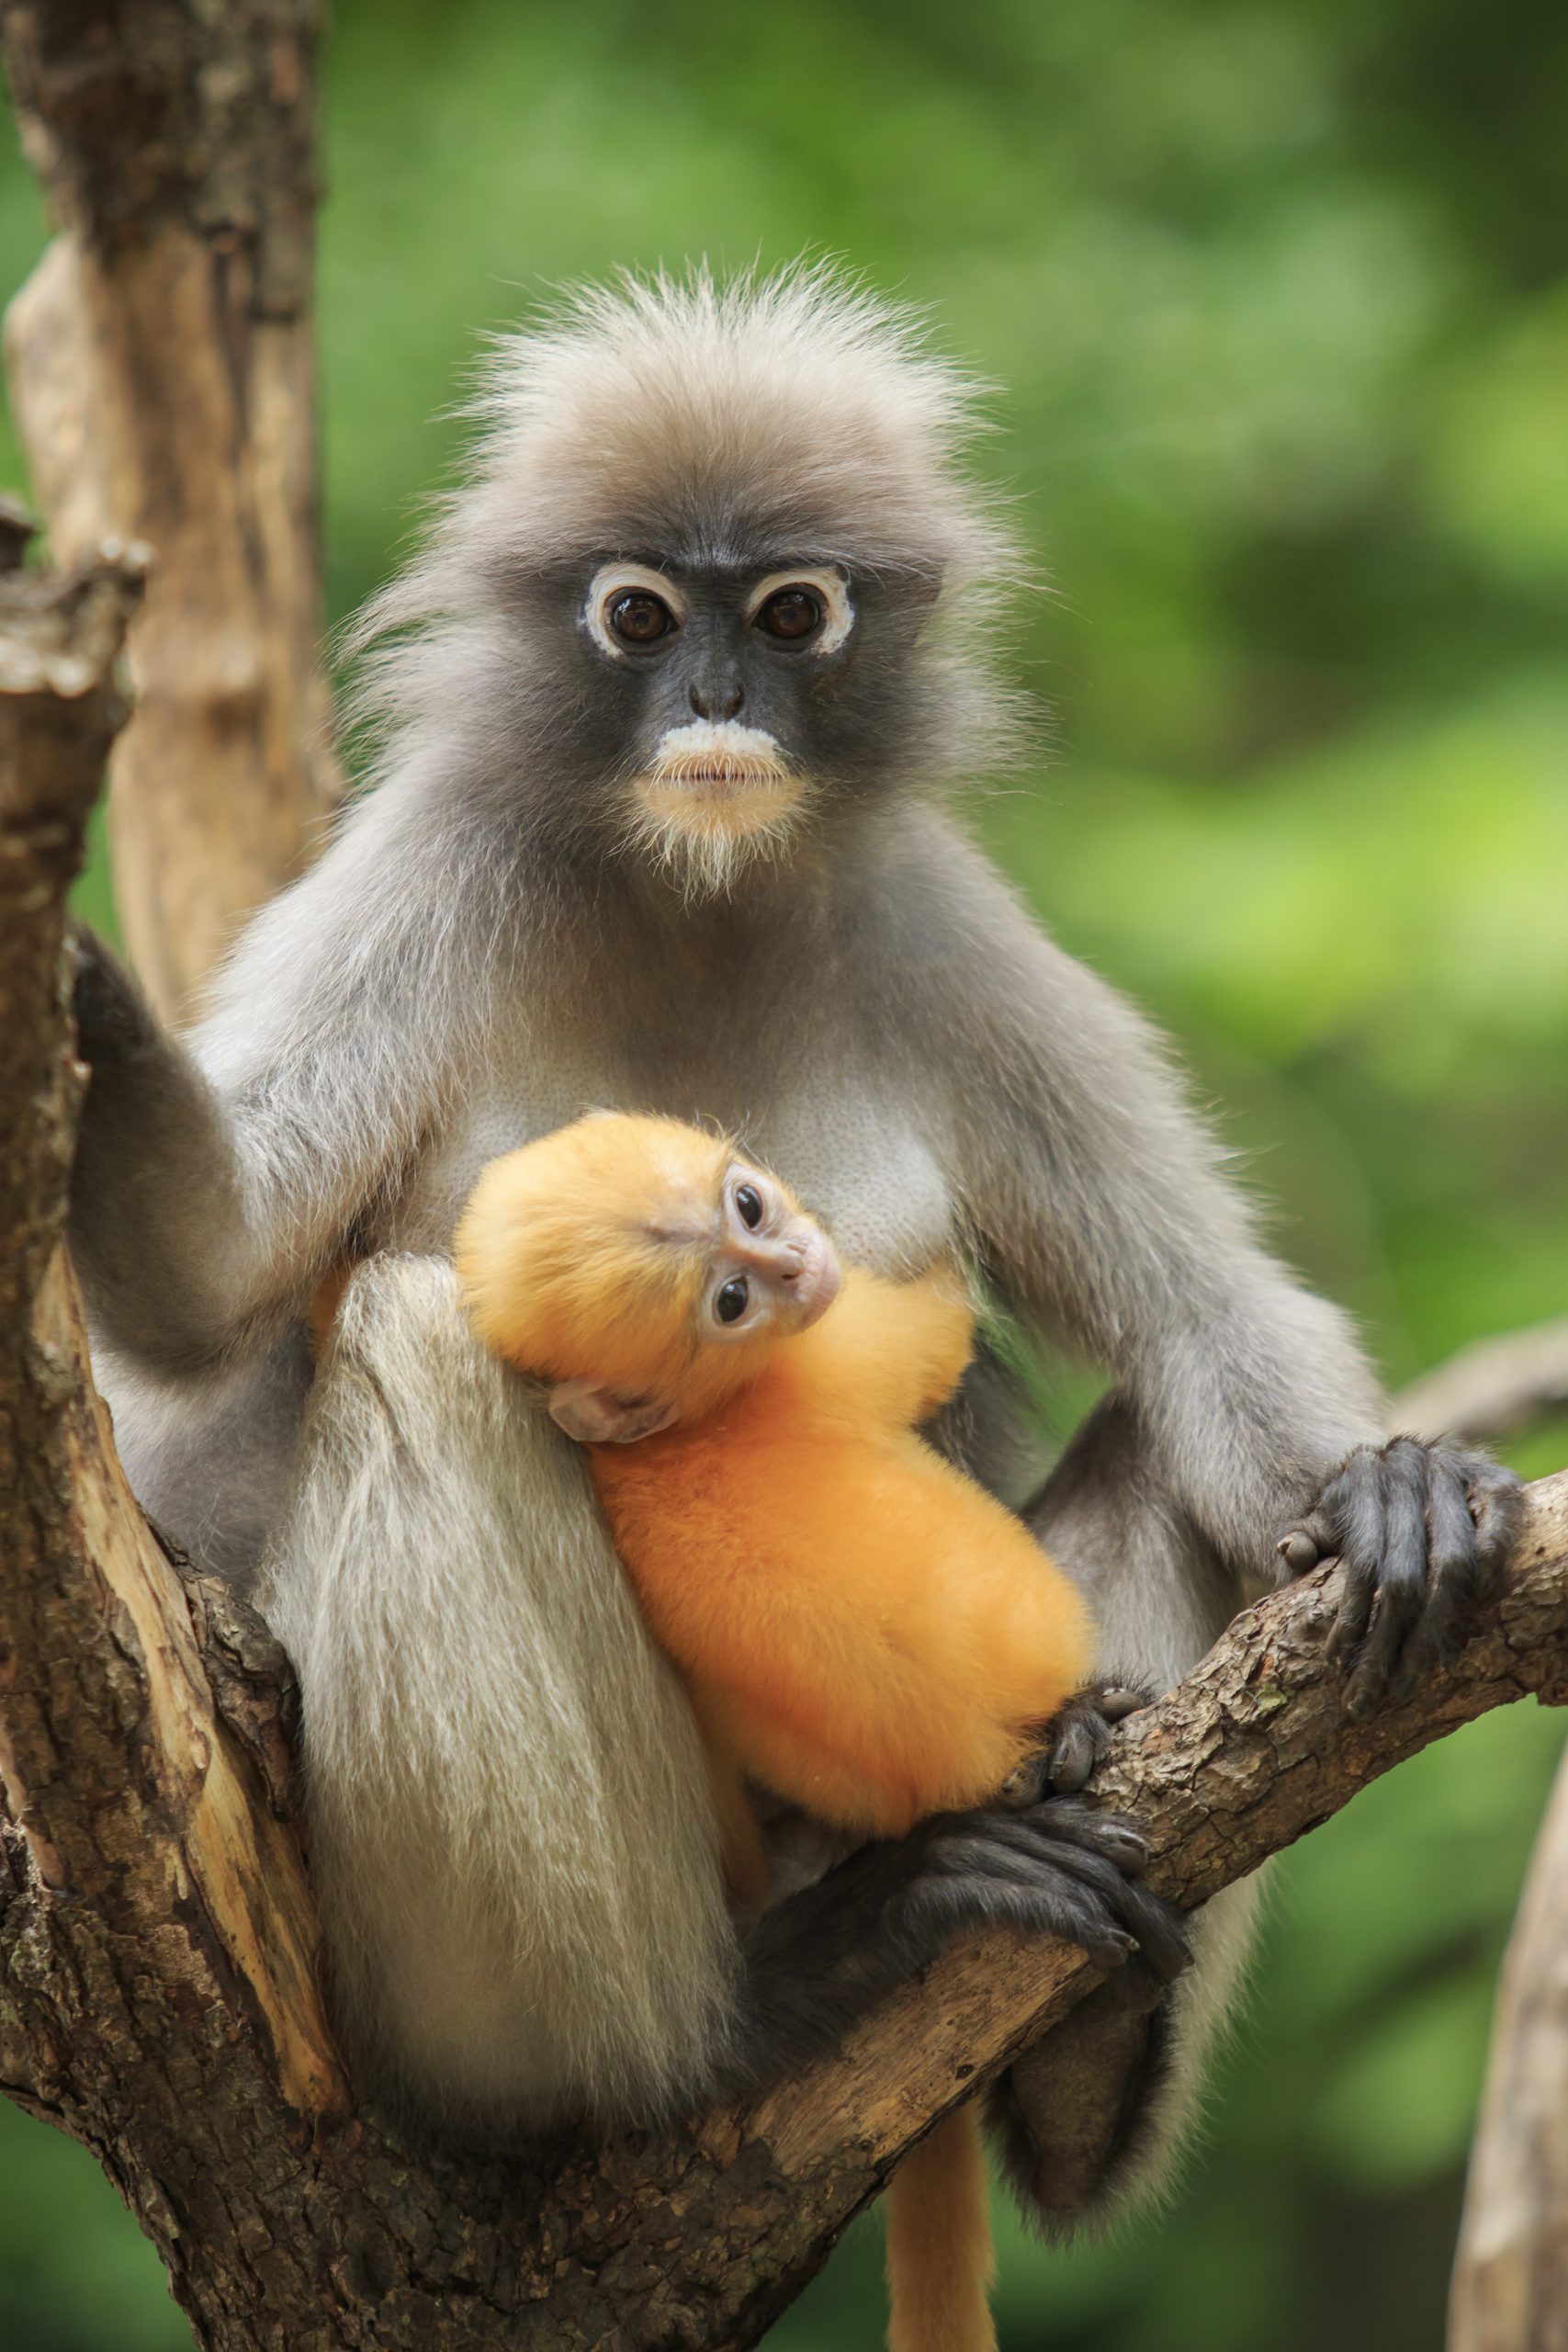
(711,761)
(713,773)
(714,782)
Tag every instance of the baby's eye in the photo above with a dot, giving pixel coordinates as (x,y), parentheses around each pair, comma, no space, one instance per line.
(731,1302)
(749,1201)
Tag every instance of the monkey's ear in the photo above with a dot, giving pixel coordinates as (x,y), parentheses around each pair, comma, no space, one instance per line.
(596,1416)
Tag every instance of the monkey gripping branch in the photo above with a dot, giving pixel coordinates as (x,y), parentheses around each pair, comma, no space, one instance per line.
(158,1993)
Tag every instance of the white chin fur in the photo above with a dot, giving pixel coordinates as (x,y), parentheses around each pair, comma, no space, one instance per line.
(715,799)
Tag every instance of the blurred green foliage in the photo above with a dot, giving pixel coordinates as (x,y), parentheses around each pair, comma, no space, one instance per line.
(1276,294)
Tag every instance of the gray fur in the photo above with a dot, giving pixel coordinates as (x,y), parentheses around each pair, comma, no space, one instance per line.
(482,955)
(502,1953)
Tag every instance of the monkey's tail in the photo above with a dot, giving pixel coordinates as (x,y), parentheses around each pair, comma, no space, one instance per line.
(938,2243)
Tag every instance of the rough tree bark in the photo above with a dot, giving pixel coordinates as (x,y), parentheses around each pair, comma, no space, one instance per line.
(157,1992)
(1510,2280)
(161,367)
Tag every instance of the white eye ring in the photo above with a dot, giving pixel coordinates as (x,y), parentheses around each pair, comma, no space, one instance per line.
(829,586)
(615,580)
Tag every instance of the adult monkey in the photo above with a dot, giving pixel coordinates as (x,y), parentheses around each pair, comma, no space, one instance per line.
(665,704)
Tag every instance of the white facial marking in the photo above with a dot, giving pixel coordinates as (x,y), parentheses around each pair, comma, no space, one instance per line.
(616,580)
(713,759)
(831,592)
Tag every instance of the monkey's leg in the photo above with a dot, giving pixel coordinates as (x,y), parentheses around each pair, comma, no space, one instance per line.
(1096,2113)
(212,1466)
(822,1958)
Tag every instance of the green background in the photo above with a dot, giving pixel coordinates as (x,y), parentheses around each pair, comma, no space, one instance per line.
(1275,295)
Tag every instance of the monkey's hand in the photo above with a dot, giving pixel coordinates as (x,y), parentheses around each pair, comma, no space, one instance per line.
(821,1959)
(1058,1867)
(114,1023)
(1424,1531)
(173,1252)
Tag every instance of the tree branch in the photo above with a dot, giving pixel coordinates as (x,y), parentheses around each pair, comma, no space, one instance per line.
(1492,1390)
(157,1995)
(162,369)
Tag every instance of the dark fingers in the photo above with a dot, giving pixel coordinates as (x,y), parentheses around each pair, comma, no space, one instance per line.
(1401,1476)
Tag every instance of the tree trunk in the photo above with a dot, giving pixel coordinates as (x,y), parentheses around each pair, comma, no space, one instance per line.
(162,367)
(1510,2291)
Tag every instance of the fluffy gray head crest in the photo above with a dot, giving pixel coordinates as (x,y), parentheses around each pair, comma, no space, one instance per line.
(702,413)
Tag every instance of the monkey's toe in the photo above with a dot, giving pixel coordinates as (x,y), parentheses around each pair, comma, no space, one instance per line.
(1080,1734)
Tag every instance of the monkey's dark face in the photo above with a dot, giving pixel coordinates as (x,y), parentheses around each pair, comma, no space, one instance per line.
(721,702)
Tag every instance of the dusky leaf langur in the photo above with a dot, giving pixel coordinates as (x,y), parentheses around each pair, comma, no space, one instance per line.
(669,706)
(861,1629)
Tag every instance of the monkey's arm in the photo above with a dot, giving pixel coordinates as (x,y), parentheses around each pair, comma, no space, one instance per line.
(215,1181)
(160,1227)
(1102,1209)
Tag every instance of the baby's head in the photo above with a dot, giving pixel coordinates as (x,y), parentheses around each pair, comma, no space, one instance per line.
(645,1268)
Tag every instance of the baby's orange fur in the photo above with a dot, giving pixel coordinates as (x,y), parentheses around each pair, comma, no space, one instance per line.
(868,1634)
(862,1630)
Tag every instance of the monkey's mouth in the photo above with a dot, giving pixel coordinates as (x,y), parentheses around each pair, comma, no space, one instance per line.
(724,778)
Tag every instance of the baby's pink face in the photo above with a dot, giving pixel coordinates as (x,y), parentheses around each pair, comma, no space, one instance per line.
(774,1271)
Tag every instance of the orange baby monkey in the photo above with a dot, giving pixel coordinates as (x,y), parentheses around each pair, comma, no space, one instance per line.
(862,1630)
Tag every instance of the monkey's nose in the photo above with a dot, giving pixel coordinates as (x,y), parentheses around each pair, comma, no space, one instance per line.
(718,700)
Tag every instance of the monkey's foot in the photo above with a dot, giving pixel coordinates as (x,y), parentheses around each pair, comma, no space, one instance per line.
(1057,1867)
(1424,1531)
(1072,1743)
(822,1958)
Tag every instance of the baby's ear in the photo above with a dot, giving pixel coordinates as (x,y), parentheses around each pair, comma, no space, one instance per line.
(596,1416)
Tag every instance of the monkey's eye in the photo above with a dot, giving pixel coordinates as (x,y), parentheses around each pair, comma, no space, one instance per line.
(790,614)
(749,1201)
(733,1299)
(637,619)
